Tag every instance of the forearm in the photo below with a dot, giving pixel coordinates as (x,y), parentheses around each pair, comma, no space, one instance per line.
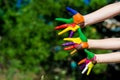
(113,57)
(106,12)
(109,44)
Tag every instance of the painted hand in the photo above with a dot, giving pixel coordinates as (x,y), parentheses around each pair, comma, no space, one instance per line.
(87,63)
(77,18)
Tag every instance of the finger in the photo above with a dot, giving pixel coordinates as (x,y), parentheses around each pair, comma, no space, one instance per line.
(88,72)
(90,66)
(75,40)
(65,26)
(73,52)
(61,26)
(69,48)
(64,31)
(71,34)
(82,61)
(90,55)
(65,20)
(68,44)
(82,66)
(85,69)
(72,11)
(82,36)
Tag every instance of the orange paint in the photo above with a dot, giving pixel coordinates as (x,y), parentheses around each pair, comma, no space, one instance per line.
(78,18)
(84,45)
(82,61)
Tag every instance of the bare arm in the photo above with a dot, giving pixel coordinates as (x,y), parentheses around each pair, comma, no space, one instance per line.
(102,14)
(109,44)
(106,12)
(113,57)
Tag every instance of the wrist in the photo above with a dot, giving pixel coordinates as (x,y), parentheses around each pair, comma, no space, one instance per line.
(94,61)
(83,45)
(82,24)
(92,44)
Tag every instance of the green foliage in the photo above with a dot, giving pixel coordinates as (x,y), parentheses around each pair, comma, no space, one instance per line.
(60,56)
(96,4)
(25,39)
(100,68)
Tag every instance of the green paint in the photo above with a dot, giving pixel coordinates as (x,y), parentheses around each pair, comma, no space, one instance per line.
(82,36)
(65,20)
(90,55)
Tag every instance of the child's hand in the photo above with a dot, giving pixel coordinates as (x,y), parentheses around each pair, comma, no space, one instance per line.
(88,62)
(76,43)
(77,18)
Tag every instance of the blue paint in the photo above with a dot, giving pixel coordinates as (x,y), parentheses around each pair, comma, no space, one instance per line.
(72,11)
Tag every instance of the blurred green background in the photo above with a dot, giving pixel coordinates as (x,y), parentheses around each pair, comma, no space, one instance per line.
(30,48)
